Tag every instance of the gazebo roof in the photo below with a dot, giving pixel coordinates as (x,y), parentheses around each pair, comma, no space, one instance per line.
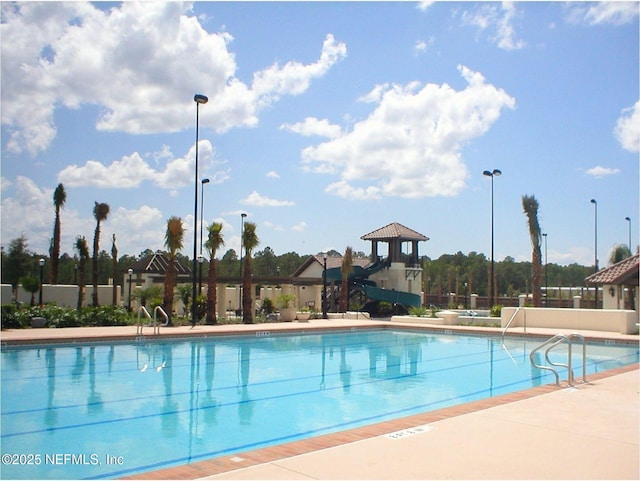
(157,263)
(394,231)
(624,272)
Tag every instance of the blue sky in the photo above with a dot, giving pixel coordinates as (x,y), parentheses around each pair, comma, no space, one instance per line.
(325,121)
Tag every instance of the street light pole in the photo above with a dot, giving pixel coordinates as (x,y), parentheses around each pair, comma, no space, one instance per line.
(201,258)
(546,273)
(130,272)
(628,219)
(41,262)
(595,224)
(242,216)
(198,99)
(492,174)
(324,286)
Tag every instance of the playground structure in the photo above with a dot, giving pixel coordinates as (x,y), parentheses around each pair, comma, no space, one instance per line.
(396,278)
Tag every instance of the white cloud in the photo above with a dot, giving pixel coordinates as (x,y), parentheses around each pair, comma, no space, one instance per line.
(421,46)
(272,174)
(293,78)
(300,227)
(600,171)
(313,126)
(132,170)
(602,13)
(258,200)
(56,54)
(627,129)
(425,4)
(498,19)
(410,145)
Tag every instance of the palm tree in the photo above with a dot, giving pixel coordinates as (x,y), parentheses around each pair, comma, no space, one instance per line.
(530,206)
(173,241)
(619,252)
(345,270)
(59,199)
(249,241)
(82,248)
(214,242)
(100,212)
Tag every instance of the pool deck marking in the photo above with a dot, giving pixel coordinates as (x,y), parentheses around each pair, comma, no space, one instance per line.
(226,464)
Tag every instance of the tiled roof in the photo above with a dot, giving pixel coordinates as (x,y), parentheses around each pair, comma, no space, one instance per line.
(394,231)
(157,264)
(624,272)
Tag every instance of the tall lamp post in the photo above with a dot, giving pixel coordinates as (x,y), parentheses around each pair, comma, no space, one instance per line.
(130,272)
(41,262)
(242,216)
(324,285)
(201,258)
(546,273)
(492,174)
(198,99)
(595,229)
(628,219)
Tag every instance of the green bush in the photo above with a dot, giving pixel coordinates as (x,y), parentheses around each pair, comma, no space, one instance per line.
(418,311)
(496,311)
(19,317)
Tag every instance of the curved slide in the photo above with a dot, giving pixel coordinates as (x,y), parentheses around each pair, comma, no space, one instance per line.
(360,278)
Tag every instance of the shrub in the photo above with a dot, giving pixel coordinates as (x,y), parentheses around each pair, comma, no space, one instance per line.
(19,317)
(418,311)
(496,311)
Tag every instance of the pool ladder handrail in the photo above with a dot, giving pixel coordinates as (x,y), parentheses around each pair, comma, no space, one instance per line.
(515,313)
(552,343)
(156,326)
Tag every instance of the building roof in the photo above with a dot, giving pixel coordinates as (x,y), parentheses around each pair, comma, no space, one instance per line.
(157,263)
(624,272)
(394,231)
(332,262)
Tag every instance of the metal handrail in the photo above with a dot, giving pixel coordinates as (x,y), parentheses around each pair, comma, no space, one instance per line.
(146,313)
(555,341)
(584,354)
(511,320)
(164,314)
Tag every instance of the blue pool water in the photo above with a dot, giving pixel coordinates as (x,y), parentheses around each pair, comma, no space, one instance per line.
(111,410)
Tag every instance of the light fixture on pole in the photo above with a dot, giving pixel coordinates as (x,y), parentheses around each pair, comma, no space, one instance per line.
(198,99)
(130,272)
(546,278)
(595,249)
(201,258)
(41,262)
(628,219)
(324,286)
(492,174)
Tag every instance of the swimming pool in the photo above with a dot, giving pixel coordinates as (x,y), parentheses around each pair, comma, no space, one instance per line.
(112,410)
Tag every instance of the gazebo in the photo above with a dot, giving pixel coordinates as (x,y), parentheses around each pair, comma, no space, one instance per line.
(395,234)
(615,281)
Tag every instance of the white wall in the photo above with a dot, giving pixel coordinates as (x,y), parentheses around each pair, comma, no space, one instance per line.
(615,320)
(67,295)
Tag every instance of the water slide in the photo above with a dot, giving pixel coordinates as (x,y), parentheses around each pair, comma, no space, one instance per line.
(359,278)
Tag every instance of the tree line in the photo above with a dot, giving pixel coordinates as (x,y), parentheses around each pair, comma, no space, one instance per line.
(460,273)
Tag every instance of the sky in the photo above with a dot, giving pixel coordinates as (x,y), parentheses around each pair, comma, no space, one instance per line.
(325,121)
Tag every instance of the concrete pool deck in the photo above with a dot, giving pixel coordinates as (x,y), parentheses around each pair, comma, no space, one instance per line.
(547,432)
